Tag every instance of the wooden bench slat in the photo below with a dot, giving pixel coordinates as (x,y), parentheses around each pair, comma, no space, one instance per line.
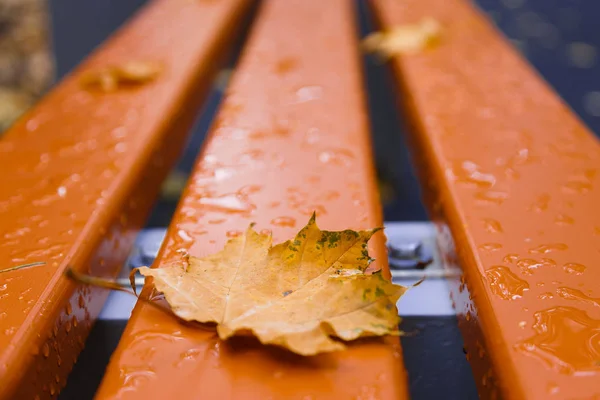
(291,137)
(514,175)
(79,175)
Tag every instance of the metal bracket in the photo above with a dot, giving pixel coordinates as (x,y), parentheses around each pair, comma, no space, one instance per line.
(412,254)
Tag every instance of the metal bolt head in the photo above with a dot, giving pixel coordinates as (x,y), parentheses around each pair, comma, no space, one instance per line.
(405,250)
(408,254)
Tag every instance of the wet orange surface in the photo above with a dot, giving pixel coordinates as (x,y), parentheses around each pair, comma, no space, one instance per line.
(513,175)
(79,174)
(291,138)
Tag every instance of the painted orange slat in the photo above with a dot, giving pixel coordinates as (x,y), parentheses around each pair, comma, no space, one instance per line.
(514,175)
(291,137)
(79,174)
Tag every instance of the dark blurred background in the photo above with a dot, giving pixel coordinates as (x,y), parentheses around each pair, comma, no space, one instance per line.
(559,37)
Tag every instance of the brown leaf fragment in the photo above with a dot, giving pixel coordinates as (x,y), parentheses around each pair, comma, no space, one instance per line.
(303,294)
(111,78)
(404,39)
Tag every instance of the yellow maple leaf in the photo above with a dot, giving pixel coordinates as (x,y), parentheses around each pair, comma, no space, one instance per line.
(132,73)
(301,294)
(404,39)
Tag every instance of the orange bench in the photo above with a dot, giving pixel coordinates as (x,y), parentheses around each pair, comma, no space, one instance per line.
(291,138)
(79,175)
(512,180)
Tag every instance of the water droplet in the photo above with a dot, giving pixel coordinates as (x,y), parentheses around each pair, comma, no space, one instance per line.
(470,173)
(340,157)
(286,65)
(546,295)
(568,153)
(541,203)
(232,234)
(46,350)
(133,376)
(492,196)
(565,340)
(213,175)
(329,196)
(253,156)
(284,221)
(577,187)
(492,226)
(184,235)
(574,268)
(562,219)
(61,191)
(248,190)
(309,93)
(119,133)
(313,179)
(69,309)
(312,136)
(553,388)
(228,203)
(216,221)
(527,265)
(480,350)
(505,284)
(121,147)
(590,173)
(189,355)
(575,294)
(490,247)
(510,258)
(317,209)
(548,248)
(280,126)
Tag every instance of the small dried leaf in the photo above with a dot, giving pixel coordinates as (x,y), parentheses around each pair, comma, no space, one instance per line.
(111,78)
(404,39)
(301,294)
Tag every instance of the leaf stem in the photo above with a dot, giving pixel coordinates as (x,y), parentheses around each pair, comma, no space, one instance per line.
(113,285)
